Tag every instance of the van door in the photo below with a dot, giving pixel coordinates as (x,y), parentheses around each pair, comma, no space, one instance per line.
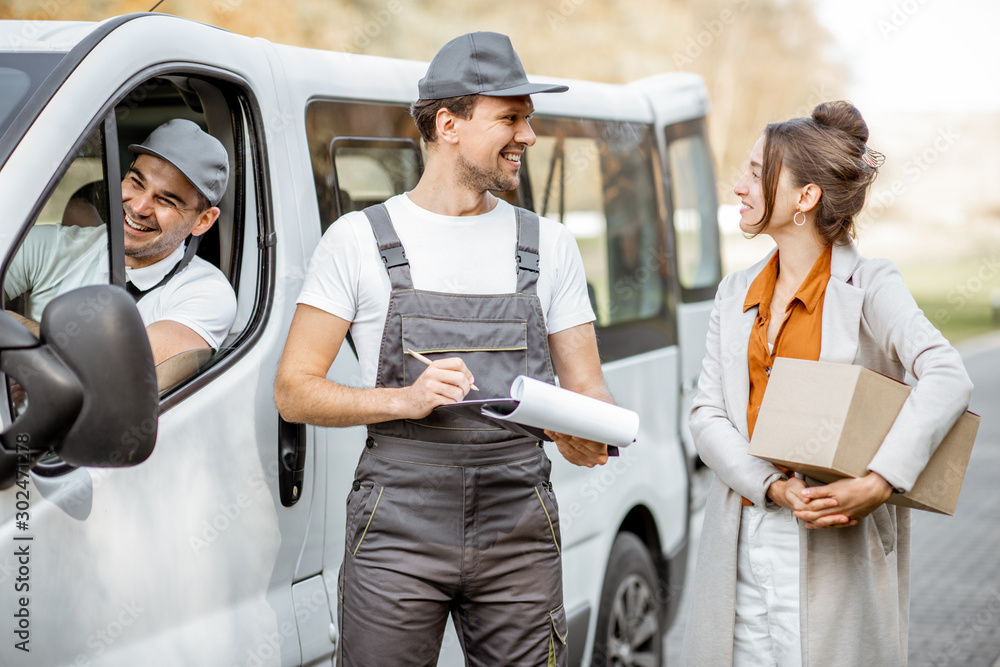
(693,210)
(201,555)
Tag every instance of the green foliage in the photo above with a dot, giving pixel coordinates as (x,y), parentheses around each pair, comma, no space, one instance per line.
(956,295)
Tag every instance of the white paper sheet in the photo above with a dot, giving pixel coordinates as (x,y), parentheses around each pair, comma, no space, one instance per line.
(546,406)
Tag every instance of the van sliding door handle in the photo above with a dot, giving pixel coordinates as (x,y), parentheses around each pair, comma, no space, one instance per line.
(291,461)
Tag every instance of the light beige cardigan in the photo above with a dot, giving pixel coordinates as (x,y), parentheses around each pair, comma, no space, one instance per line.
(854,589)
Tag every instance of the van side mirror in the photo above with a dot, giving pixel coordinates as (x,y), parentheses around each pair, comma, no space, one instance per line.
(89,380)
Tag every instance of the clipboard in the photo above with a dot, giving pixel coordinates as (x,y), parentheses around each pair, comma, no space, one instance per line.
(491,411)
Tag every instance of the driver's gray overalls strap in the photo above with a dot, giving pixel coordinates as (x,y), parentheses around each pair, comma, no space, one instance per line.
(448,515)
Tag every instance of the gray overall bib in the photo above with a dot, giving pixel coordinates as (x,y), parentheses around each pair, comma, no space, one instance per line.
(448,515)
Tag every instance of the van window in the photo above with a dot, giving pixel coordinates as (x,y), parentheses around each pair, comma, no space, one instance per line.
(369,171)
(695,210)
(599,179)
(365,122)
(20,75)
(223,110)
(66,247)
(70,242)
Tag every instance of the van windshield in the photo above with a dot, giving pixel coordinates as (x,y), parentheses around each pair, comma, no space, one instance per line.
(20,76)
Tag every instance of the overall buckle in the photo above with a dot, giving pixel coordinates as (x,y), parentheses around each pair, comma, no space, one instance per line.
(527,260)
(393,257)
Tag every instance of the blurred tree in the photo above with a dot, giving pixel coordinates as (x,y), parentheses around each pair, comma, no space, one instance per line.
(762,60)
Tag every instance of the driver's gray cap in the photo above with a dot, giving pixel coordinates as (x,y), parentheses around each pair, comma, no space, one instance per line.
(479,63)
(198,155)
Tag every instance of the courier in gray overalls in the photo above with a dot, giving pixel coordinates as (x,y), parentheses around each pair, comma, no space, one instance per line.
(446,515)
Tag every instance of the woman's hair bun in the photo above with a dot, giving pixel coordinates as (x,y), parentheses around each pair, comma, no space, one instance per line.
(843,116)
(830,149)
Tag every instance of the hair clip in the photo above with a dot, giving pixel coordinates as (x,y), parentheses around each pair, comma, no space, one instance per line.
(873,158)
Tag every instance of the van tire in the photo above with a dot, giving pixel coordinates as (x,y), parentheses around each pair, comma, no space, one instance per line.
(629,623)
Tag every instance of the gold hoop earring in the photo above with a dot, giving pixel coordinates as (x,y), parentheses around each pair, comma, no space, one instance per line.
(795,218)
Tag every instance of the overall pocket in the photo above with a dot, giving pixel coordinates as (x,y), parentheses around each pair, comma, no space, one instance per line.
(496,351)
(551,510)
(361,507)
(558,635)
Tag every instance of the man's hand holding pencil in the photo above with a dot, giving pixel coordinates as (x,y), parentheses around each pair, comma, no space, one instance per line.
(444,381)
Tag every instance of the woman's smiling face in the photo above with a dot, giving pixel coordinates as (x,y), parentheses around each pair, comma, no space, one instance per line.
(750,190)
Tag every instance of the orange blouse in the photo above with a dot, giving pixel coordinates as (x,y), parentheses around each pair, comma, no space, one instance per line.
(800,333)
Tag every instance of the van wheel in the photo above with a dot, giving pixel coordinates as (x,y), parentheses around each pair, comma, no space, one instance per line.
(629,633)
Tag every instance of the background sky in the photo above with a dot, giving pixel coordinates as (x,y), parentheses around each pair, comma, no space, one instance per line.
(918,55)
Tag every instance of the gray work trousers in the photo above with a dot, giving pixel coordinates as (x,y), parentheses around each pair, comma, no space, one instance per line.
(470,530)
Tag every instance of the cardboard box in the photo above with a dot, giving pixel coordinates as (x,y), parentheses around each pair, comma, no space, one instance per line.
(828,420)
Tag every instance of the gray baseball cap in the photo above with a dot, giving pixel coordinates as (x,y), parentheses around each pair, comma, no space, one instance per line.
(479,63)
(198,155)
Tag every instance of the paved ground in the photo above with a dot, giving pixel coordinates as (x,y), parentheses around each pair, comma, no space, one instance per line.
(955,577)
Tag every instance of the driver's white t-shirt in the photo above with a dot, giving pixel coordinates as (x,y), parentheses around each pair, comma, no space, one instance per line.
(55,259)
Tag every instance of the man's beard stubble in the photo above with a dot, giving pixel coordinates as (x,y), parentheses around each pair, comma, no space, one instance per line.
(479,180)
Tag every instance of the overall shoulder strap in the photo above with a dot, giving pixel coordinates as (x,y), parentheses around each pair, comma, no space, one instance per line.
(390,247)
(527,249)
(189,252)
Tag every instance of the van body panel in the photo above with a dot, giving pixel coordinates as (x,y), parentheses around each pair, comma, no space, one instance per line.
(43,35)
(315,623)
(693,319)
(674,97)
(616,102)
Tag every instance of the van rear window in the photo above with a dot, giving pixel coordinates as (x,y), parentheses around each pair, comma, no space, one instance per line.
(20,75)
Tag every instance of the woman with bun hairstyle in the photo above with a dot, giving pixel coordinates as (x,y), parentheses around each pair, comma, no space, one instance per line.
(789,574)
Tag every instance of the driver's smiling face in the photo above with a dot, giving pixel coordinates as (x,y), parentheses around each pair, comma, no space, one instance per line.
(161,209)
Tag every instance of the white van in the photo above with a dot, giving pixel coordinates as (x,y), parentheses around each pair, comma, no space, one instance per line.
(220,546)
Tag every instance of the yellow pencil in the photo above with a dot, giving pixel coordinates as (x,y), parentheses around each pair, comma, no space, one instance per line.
(420,357)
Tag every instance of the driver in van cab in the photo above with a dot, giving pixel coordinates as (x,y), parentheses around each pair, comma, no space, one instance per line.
(169,196)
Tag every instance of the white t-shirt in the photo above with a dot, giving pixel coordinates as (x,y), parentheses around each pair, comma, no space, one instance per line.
(454,254)
(55,259)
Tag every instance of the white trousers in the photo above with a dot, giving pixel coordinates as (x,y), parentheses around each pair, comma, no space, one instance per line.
(767,590)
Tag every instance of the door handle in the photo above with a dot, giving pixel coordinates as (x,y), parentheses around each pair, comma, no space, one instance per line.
(291,461)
